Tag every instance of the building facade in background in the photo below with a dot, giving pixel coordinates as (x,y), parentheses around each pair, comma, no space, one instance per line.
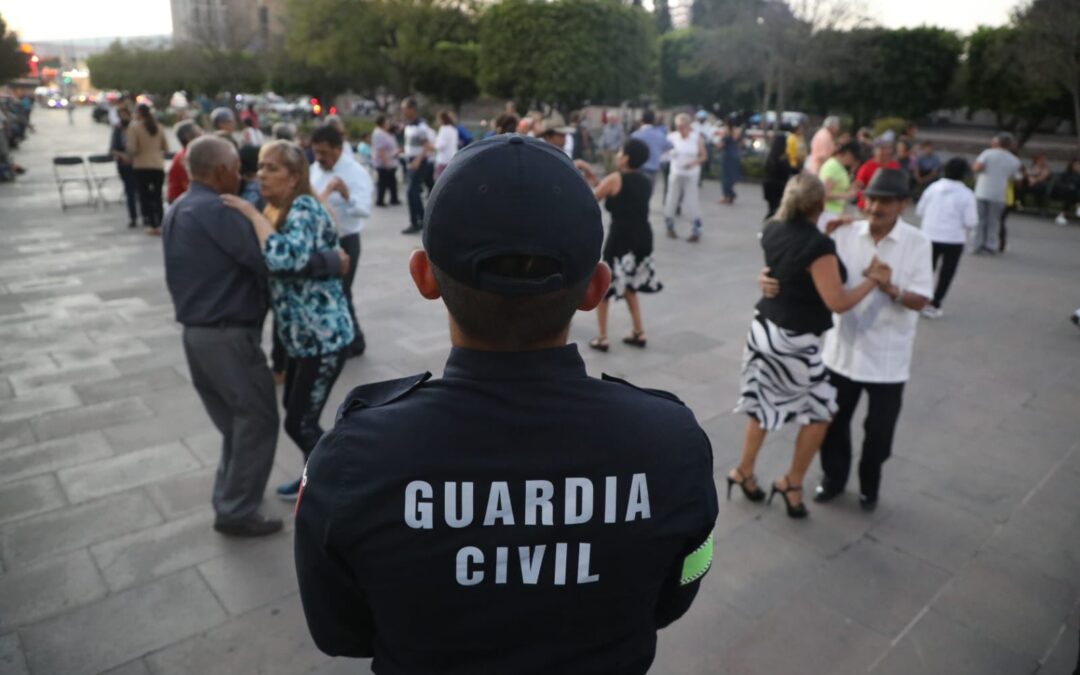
(250,25)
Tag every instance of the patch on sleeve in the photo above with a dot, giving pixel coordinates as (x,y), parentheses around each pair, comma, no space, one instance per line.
(300,494)
(697,563)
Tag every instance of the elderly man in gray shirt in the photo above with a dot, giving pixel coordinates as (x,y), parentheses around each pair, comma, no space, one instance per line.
(216,276)
(993,169)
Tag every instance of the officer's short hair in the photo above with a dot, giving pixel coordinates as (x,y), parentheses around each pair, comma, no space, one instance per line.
(512,321)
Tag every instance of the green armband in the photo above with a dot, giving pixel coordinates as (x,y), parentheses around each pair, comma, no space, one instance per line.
(697,563)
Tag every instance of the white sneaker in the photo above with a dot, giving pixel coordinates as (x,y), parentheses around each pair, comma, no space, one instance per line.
(931,312)
(1061,219)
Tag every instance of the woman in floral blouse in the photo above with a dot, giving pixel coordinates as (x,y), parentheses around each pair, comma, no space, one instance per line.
(312,317)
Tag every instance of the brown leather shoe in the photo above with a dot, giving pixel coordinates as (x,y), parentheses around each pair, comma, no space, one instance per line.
(694,238)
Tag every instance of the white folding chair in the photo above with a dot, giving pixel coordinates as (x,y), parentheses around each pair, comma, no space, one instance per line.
(71,170)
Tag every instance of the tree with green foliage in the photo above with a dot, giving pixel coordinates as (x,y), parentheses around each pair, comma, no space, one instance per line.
(870,72)
(1050,47)
(995,77)
(160,72)
(566,52)
(399,46)
(13,62)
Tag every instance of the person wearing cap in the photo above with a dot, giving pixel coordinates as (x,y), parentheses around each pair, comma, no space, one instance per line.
(557,136)
(515,515)
(869,348)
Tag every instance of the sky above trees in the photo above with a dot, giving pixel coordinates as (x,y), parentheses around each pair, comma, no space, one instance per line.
(74,19)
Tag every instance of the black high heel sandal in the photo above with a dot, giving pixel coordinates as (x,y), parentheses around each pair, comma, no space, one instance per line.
(796,511)
(635,340)
(754,495)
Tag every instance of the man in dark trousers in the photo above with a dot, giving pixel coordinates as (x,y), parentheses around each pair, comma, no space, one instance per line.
(217,278)
(516,515)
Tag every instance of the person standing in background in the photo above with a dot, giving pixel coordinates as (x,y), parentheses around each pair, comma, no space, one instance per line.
(777,172)
(993,169)
(147,147)
(730,162)
(687,156)
(882,159)
(446,142)
(118,149)
(948,210)
(655,137)
(178,179)
(419,146)
(823,144)
(385,149)
(835,174)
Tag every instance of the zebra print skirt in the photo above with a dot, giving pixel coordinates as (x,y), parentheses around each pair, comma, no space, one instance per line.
(783,378)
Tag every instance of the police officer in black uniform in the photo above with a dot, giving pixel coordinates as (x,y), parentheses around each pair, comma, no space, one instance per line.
(515,516)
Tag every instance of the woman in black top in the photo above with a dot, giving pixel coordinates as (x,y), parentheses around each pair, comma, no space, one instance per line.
(783,378)
(629,245)
(777,172)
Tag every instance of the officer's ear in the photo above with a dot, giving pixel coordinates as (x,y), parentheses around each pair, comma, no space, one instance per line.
(598,287)
(423,276)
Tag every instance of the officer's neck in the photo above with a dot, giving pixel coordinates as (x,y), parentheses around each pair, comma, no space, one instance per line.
(458,338)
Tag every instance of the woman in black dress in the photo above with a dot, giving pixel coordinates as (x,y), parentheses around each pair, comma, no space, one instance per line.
(629,245)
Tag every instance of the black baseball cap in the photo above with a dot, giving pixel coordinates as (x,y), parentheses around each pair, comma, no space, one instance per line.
(512,195)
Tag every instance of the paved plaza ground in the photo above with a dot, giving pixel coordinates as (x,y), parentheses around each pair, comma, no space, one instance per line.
(970,565)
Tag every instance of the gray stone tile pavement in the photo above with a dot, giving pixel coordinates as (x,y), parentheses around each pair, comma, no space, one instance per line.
(108,562)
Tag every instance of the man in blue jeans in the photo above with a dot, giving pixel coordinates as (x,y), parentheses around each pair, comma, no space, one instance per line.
(419,170)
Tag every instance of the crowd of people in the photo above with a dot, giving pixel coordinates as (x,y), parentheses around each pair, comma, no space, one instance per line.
(271,224)
(14,123)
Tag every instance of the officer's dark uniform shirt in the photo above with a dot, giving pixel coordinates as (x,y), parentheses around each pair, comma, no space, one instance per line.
(514,517)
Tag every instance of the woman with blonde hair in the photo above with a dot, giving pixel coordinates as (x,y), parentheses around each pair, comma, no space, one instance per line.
(311,315)
(783,378)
